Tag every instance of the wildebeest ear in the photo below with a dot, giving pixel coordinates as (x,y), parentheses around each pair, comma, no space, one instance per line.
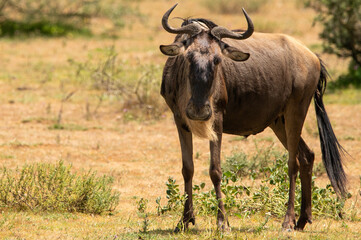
(171,50)
(235,54)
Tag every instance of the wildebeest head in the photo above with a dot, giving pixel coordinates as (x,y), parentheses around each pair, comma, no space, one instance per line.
(202,47)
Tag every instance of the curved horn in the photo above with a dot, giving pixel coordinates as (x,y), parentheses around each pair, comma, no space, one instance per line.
(191,29)
(221,32)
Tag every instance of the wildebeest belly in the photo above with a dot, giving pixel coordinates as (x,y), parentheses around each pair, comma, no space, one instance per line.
(250,111)
(248,122)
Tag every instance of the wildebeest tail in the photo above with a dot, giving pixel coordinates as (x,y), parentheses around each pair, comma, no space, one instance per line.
(330,147)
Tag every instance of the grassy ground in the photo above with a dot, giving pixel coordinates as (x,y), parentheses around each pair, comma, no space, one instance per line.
(138,150)
(76,226)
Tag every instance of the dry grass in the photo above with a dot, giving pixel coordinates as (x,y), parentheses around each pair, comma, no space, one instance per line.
(141,155)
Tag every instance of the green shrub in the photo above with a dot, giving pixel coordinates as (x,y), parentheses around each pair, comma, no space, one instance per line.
(341,34)
(175,200)
(59,18)
(233,6)
(46,28)
(350,79)
(341,21)
(49,187)
(273,193)
(271,196)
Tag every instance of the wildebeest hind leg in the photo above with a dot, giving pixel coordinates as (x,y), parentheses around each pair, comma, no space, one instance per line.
(279,128)
(185,138)
(295,115)
(288,129)
(306,158)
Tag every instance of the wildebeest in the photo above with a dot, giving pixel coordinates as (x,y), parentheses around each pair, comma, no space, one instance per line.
(240,82)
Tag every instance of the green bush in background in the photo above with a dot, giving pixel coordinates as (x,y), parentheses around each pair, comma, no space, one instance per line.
(352,78)
(59,18)
(341,33)
(341,20)
(49,187)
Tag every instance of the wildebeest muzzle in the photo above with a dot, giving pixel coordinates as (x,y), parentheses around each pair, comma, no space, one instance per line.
(199,111)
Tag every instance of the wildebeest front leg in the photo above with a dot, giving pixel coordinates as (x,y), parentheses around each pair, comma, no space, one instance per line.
(215,173)
(185,138)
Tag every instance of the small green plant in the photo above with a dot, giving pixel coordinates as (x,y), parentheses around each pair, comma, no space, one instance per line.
(49,187)
(142,213)
(175,200)
(70,127)
(262,226)
(205,202)
(325,202)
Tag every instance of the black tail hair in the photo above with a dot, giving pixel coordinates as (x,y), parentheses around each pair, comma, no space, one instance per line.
(330,147)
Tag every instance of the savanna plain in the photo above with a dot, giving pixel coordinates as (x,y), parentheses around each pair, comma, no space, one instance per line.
(93,103)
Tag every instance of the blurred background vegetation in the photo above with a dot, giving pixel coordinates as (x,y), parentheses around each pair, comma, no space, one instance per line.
(341,34)
(59,18)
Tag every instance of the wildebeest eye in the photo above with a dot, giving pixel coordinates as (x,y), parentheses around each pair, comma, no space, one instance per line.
(187,42)
(217,60)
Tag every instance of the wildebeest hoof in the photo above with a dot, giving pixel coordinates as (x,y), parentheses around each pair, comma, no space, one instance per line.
(223,225)
(182,226)
(177,229)
(289,223)
(288,227)
(301,223)
(224,228)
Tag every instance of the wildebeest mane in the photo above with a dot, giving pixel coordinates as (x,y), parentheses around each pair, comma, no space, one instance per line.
(210,24)
(207,22)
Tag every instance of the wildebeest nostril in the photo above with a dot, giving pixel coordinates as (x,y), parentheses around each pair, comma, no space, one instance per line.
(207,104)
